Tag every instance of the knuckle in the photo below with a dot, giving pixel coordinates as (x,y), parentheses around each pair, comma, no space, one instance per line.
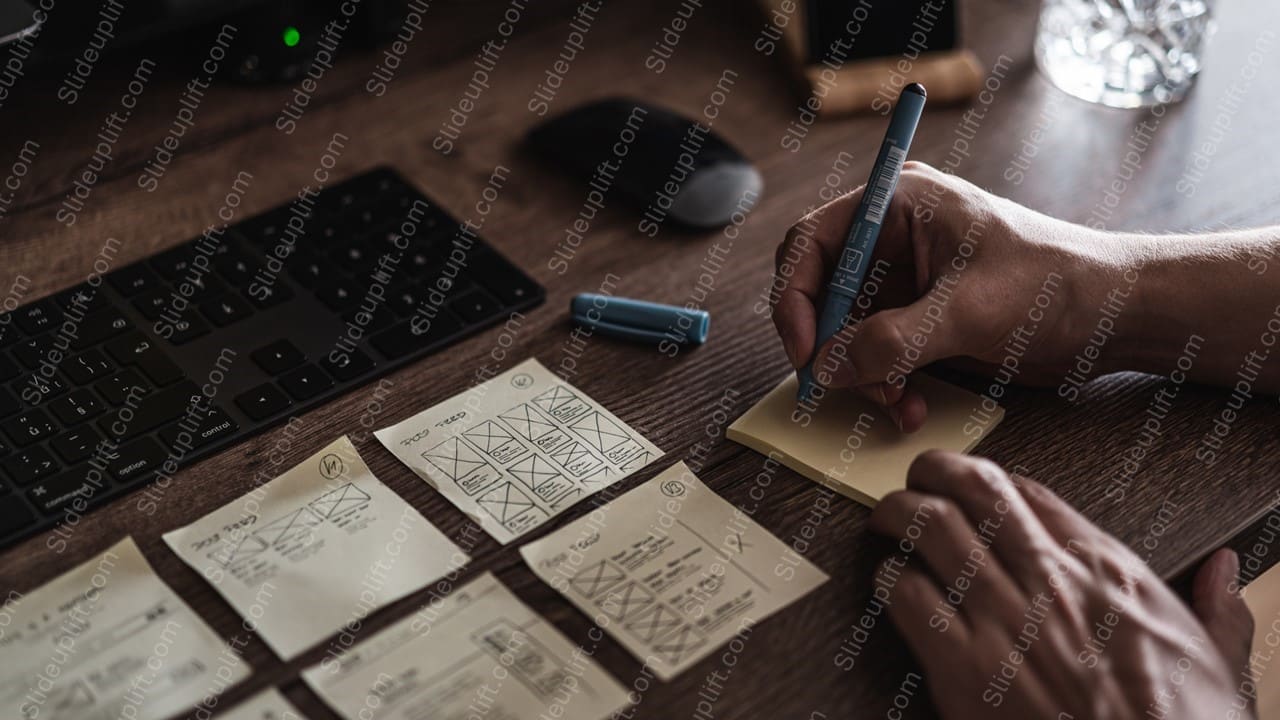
(936,510)
(929,461)
(879,334)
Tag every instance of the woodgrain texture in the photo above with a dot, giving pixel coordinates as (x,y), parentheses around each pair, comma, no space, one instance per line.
(787,668)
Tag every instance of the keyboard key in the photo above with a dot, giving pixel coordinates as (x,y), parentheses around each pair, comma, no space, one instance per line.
(38,316)
(154,410)
(277,357)
(153,303)
(237,269)
(352,365)
(405,299)
(8,368)
(30,465)
(265,230)
(9,403)
(136,459)
(37,388)
(226,310)
(134,279)
(202,288)
(262,402)
(119,387)
(60,491)
(380,319)
(78,407)
(502,279)
(31,352)
(135,349)
(313,271)
(355,256)
(174,263)
(88,367)
(98,327)
(85,298)
(264,296)
(187,329)
(127,349)
(306,382)
(29,427)
(14,515)
(76,445)
(403,339)
(475,306)
(340,295)
(214,426)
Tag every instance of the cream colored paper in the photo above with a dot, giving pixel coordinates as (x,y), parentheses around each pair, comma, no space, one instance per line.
(108,640)
(479,652)
(517,450)
(266,705)
(320,547)
(851,446)
(671,570)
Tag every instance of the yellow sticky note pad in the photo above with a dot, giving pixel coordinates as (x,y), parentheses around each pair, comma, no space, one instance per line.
(850,445)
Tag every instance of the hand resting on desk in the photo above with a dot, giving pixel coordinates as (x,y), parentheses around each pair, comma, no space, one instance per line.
(965,276)
(1018,607)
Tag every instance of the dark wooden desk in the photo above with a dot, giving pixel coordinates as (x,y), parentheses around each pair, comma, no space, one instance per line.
(1175,509)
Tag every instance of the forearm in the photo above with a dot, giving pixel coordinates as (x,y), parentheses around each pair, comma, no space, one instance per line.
(1207,303)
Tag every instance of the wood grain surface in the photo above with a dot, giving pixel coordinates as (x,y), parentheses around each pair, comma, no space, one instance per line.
(1173,511)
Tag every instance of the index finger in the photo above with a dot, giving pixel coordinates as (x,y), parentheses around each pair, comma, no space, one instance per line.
(802,265)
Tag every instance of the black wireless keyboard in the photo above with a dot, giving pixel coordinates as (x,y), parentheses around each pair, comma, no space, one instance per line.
(125,378)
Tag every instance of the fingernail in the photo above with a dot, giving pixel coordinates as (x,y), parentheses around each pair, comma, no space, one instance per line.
(1233,567)
(894,414)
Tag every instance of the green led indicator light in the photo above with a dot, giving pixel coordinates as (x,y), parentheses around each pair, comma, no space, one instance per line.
(291,36)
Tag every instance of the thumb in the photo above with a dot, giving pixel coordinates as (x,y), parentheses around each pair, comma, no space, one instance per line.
(1216,600)
(891,344)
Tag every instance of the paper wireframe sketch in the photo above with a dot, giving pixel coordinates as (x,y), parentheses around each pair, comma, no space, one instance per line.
(267,704)
(671,570)
(515,451)
(321,546)
(109,640)
(478,652)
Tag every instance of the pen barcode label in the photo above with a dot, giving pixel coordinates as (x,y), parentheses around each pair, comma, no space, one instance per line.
(884,184)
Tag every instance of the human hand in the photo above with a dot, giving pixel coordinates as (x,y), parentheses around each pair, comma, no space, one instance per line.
(957,273)
(1019,607)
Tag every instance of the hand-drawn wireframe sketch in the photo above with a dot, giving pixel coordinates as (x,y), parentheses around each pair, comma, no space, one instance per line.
(671,570)
(88,645)
(518,449)
(268,704)
(326,523)
(439,660)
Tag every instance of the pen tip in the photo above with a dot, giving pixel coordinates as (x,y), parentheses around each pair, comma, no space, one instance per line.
(916,88)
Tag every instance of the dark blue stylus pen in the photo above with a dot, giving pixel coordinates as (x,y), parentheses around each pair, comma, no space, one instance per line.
(861,240)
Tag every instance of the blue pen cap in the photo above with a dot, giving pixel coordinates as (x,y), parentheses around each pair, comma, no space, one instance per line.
(639,320)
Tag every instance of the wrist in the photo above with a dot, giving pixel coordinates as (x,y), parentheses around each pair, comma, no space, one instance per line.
(1149,280)
(1100,279)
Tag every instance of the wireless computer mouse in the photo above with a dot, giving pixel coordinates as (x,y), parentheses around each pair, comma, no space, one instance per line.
(667,166)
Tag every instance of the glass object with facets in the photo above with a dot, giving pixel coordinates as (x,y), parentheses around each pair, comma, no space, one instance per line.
(1123,53)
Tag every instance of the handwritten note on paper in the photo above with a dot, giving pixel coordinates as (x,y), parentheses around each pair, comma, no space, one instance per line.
(321,546)
(266,705)
(671,570)
(517,450)
(109,640)
(478,653)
